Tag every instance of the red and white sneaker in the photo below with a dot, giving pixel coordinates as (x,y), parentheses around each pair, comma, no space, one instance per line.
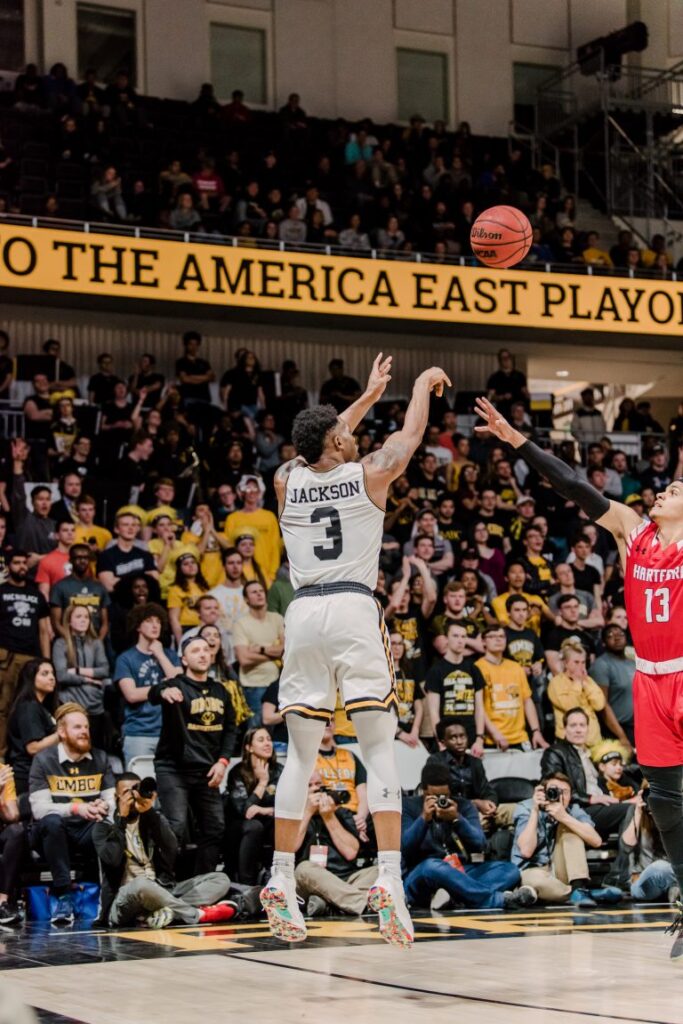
(387,899)
(281,904)
(218,913)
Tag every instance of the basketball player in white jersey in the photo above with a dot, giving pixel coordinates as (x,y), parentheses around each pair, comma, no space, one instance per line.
(332,518)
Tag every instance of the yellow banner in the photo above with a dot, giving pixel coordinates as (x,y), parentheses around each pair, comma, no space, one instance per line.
(247,277)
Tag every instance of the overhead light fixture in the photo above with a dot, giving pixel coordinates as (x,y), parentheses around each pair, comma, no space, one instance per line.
(561,373)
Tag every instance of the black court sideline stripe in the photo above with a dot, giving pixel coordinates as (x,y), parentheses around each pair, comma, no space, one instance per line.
(451,995)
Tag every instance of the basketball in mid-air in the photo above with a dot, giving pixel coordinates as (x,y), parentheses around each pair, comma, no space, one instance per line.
(501,236)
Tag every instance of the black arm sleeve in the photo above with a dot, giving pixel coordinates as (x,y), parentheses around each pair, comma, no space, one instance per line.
(565,480)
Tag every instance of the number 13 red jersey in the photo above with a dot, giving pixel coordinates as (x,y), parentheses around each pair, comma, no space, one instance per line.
(653,591)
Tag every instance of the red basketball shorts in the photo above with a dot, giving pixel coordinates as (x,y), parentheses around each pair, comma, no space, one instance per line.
(658,715)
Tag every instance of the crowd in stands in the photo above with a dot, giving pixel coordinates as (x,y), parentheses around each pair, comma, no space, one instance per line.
(142,601)
(107,153)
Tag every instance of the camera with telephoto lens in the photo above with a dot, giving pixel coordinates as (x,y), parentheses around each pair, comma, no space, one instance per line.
(146,788)
(443,802)
(339,796)
(553,794)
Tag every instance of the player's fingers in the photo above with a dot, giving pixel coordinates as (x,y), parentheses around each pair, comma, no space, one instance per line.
(378,360)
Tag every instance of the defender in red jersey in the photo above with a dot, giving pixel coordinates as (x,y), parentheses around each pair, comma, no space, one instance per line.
(652,557)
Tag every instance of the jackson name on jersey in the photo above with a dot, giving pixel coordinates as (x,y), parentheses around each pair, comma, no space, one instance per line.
(331,527)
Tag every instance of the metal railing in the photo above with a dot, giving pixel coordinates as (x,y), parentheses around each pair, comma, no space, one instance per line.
(373,253)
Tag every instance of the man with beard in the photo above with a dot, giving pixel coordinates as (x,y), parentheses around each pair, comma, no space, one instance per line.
(24,632)
(71,787)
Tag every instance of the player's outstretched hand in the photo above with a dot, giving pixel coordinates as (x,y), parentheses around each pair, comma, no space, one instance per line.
(380,375)
(496,424)
(437,378)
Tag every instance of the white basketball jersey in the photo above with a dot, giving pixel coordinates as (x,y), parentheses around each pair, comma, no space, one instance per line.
(331,528)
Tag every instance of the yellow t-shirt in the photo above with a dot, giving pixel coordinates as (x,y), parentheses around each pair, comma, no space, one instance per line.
(267,542)
(98,534)
(504,695)
(186,601)
(536,603)
(565,693)
(167,576)
(211,562)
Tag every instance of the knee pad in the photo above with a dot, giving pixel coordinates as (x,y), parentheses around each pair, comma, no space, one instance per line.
(376,731)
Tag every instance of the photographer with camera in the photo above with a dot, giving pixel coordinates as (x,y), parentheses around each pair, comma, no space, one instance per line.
(341,771)
(440,839)
(328,874)
(137,852)
(551,835)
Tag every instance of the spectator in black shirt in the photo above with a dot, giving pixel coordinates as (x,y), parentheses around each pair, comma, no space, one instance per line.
(101,384)
(193,372)
(467,773)
(24,632)
(194,750)
(569,613)
(63,376)
(250,806)
(31,727)
(146,382)
(455,688)
(657,476)
(241,387)
(124,557)
(586,576)
(523,644)
(507,385)
(340,391)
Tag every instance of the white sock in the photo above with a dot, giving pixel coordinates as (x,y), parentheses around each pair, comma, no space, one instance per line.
(284,863)
(390,860)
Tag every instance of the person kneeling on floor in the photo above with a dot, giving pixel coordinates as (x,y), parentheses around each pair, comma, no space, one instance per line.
(328,876)
(551,836)
(137,852)
(439,837)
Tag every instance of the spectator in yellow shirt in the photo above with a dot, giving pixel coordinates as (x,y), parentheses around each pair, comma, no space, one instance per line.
(538,609)
(574,688)
(508,704)
(209,542)
(87,532)
(593,254)
(252,517)
(188,587)
(165,547)
(251,569)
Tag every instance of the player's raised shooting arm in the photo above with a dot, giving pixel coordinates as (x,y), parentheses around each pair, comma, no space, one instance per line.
(380,375)
(619,519)
(391,460)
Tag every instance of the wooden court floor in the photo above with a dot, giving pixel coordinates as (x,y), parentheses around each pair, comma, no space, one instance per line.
(553,965)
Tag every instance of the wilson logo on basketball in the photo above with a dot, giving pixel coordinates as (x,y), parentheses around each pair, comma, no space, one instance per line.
(501,236)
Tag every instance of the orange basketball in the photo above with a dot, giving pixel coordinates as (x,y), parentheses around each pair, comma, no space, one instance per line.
(501,236)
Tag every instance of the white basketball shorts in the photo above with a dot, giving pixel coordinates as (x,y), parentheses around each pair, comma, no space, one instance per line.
(336,642)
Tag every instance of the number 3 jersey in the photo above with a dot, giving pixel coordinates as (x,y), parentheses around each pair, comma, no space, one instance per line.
(331,527)
(653,591)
